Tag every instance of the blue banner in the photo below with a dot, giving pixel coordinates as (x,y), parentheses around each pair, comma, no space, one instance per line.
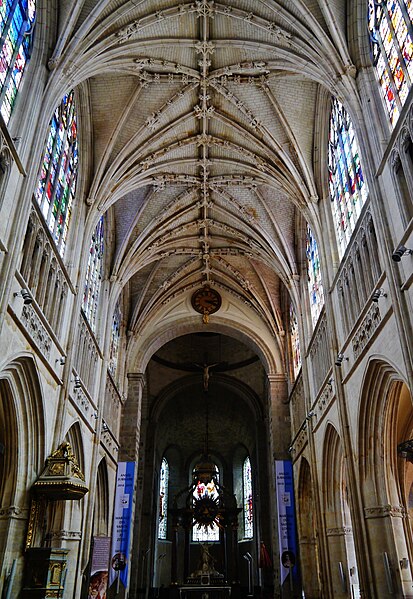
(286,520)
(122,521)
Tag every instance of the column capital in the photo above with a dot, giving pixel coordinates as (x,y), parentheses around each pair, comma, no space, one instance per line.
(138,377)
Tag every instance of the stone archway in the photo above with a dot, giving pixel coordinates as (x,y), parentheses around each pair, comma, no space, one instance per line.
(386,423)
(307,533)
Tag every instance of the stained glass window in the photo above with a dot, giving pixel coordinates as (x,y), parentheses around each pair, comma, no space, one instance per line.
(295,341)
(248,503)
(315,285)
(114,340)
(163,500)
(16,25)
(94,275)
(348,191)
(58,172)
(391,34)
(211,533)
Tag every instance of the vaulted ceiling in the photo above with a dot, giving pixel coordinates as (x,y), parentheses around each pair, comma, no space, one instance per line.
(202,116)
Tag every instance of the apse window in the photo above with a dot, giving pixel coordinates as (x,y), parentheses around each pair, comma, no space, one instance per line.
(248,501)
(16,25)
(56,185)
(391,36)
(163,500)
(205,501)
(348,191)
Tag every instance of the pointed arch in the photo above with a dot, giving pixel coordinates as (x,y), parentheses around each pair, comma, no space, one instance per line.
(101,525)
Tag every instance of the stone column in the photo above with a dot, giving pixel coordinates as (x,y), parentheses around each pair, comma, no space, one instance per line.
(130,437)
(337,556)
(280,439)
(280,421)
(131,419)
(387,541)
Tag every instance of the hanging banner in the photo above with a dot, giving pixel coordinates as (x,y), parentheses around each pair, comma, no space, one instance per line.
(122,521)
(99,572)
(286,520)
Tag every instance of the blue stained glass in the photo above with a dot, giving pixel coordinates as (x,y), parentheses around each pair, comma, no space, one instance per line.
(163,500)
(390,26)
(94,272)
(16,25)
(114,340)
(56,185)
(348,191)
(315,285)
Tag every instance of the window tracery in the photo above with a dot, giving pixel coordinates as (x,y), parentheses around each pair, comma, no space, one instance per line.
(94,272)
(163,499)
(391,34)
(17,18)
(114,339)
(248,499)
(348,190)
(295,342)
(56,185)
(315,285)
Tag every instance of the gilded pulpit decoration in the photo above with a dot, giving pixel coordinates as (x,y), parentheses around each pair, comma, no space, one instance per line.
(62,478)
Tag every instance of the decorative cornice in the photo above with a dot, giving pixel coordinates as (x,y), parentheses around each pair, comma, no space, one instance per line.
(384,511)
(339,531)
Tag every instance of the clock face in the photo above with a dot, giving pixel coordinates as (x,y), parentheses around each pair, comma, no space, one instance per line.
(206,300)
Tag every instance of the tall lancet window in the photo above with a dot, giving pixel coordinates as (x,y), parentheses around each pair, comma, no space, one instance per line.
(114,340)
(315,285)
(210,533)
(391,34)
(163,500)
(17,19)
(295,342)
(93,278)
(248,501)
(56,186)
(348,191)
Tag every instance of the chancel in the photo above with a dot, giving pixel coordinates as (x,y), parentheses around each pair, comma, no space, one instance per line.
(206,274)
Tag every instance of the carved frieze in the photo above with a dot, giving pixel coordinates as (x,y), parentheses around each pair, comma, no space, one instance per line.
(339,531)
(365,331)
(384,511)
(36,329)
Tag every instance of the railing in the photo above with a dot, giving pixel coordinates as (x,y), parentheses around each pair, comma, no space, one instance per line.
(44,273)
(297,405)
(358,274)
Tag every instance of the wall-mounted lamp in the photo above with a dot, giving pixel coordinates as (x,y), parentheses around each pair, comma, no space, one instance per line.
(399,252)
(105,427)
(404,563)
(339,359)
(310,414)
(26,295)
(330,383)
(290,449)
(61,360)
(377,294)
(95,415)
